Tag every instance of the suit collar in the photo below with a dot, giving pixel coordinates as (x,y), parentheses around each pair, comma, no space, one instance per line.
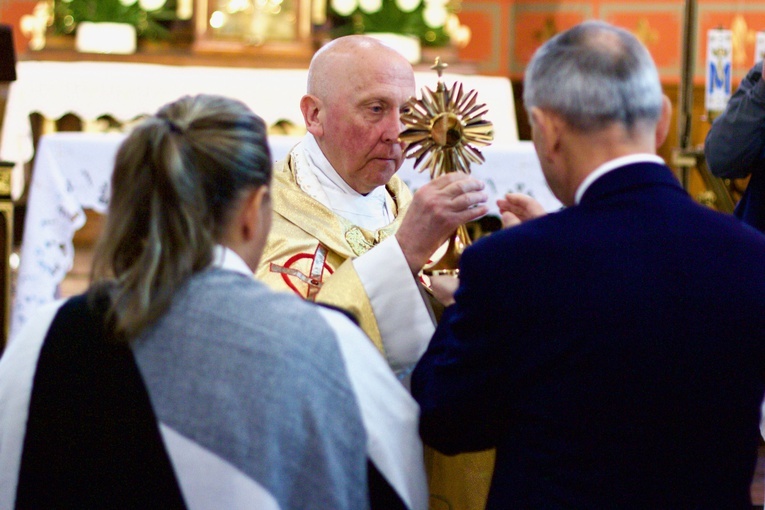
(629,176)
(612,165)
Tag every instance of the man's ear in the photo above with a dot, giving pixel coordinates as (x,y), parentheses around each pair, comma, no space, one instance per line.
(311,107)
(662,127)
(548,129)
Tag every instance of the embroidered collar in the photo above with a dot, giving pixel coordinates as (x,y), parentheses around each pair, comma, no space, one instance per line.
(316,176)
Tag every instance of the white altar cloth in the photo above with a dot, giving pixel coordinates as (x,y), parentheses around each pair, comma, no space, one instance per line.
(126,91)
(73,171)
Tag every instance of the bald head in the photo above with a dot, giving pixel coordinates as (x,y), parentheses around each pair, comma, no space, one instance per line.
(357,88)
(345,57)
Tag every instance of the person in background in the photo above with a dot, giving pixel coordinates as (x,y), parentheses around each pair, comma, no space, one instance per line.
(349,233)
(178,380)
(735,146)
(602,349)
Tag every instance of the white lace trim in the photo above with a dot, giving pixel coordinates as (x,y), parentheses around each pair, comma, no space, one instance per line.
(316,177)
(305,177)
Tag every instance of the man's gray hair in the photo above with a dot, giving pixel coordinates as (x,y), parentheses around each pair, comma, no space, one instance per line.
(593,75)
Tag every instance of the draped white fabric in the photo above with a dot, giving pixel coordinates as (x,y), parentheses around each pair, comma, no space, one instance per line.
(72,173)
(126,91)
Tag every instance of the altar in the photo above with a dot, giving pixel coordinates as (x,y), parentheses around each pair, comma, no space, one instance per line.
(73,170)
(125,91)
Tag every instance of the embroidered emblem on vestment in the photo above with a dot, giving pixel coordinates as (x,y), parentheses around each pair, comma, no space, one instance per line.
(314,279)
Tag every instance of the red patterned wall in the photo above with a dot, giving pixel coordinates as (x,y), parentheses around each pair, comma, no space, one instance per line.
(11,12)
(505,33)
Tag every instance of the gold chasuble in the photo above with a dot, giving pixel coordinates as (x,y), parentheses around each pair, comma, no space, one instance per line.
(309,252)
(309,243)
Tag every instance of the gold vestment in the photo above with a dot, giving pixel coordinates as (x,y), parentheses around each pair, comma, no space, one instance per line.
(309,251)
(309,243)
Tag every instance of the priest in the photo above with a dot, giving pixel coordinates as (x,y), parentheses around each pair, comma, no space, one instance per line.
(340,234)
(347,231)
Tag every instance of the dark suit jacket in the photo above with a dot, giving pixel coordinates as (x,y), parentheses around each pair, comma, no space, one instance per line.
(612,352)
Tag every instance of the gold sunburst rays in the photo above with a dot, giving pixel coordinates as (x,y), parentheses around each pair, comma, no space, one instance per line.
(444,128)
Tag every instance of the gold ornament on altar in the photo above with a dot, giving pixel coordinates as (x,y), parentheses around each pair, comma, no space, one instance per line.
(443,130)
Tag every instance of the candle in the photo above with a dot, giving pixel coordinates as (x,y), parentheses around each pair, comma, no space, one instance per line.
(184,9)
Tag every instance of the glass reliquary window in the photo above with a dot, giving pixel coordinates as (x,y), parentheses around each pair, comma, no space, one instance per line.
(255,26)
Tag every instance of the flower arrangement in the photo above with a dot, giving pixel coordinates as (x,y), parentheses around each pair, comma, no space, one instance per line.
(149,17)
(434,22)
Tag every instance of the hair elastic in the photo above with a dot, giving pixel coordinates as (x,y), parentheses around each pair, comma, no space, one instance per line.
(175,128)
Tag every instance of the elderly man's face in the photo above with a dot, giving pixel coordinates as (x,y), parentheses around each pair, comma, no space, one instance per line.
(361,122)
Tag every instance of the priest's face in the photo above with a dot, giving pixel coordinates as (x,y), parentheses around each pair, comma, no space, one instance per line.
(360,119)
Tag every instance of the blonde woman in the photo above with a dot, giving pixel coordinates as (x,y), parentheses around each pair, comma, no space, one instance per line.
(178,380)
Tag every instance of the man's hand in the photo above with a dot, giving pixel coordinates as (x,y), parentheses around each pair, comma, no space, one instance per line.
(515,208)
(444,287)
(437,209)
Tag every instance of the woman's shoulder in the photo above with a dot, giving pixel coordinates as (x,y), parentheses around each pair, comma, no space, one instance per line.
(248,305)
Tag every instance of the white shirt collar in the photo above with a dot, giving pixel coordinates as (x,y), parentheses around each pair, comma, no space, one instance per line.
(323,168)
(368,211)
(613,165)
(226,258)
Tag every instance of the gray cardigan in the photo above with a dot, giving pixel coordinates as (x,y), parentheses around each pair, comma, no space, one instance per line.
(262,400)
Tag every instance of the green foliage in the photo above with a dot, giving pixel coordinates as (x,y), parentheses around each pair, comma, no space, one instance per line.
(150,25)
(389,19)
